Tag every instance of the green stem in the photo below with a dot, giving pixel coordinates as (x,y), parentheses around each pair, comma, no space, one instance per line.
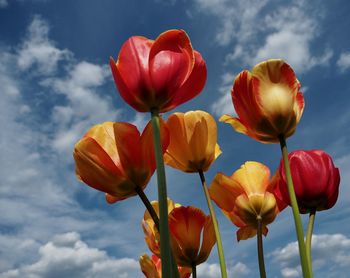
(165,250)
(310,228)
(216,226)
(194,271)
(307,272)
(260,249)
(148,206)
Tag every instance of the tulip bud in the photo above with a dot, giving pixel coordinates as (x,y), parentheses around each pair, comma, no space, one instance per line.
(316,180)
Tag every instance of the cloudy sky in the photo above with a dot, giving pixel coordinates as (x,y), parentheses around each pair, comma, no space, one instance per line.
(55,83)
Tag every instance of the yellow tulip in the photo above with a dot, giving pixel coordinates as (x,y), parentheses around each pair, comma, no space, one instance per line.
(193,141)
(246,196)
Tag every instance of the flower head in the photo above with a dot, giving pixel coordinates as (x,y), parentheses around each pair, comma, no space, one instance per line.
(159,74)
(246,196)
(267,101)
(188,225)
(316,180)
(114,158)
(152,236)
(193,140)
(152,267)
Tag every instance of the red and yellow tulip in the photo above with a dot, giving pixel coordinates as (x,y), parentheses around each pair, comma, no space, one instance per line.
(267,101)
(246,196)
(152,236)
(114,158)
(193,141)
(159,74)
(152,267)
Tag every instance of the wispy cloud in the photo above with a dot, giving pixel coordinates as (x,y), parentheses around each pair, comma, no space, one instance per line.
(344,61)
(335,265)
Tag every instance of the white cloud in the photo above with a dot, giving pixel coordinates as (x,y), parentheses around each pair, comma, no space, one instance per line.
(207,270)
(260,30)
(330,254)
(344,61)
(66,255)
(39,51)
(224,104)
(84,105)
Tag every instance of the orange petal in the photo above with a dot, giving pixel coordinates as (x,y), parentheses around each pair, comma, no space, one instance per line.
(97,169)
(235,123)
(224,190)
(245,233)
(148,267)
(110,199)
(147,144)
(208,241)
(186,224)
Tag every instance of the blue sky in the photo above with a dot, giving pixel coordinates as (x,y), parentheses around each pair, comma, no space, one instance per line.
(55,83)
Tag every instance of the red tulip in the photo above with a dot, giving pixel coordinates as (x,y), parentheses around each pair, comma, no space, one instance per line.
(160,74)
(316,180)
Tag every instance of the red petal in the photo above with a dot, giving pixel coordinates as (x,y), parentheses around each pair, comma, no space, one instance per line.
(192,86)
(171,61)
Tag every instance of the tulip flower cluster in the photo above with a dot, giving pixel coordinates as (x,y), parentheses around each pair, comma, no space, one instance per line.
(158,75)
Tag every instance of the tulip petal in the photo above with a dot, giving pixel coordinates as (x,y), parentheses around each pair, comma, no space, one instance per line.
(253,177)
(224,190)
(133,98)
(193,85)
(147,144)
(245,233)
(235,123)
(110,199)
(96,168)
(171,61)
(148,267)
(103,134)
(185,224)
(208,241)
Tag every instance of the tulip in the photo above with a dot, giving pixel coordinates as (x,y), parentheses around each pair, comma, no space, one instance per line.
(114,158)
(188,225)
(150,230)
(245,197)
(193,137)
(193,148)
(316,184)
(316,180)
(159,74)
(151,267)
(267,101)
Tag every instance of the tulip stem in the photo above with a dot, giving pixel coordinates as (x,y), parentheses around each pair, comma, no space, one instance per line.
(148,206)
(260,249)
(307,272)
(310,228)
(216,226)
(165,250)
(194,271)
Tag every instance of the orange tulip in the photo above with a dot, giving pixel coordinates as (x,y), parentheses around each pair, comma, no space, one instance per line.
(114,158)
(152,267)
(152,236)
(267,101)
(188,225)
(193,140)
(160,74)
(246,196)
